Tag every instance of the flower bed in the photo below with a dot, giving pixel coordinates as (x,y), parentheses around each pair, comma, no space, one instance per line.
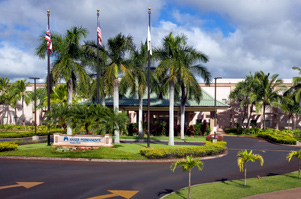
(7,146)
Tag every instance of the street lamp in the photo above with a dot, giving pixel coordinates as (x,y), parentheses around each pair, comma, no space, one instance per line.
(35,108)
(214,128)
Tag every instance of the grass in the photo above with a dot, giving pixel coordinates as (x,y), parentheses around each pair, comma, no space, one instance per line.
(162,138)
(121,151)
(236,189)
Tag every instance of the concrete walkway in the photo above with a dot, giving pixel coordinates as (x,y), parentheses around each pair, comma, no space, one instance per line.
(284,194)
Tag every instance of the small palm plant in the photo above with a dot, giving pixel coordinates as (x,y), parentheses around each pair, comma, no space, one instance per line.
(244,157)
(296,154)
(188,164)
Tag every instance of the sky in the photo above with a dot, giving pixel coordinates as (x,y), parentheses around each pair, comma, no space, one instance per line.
(239,36)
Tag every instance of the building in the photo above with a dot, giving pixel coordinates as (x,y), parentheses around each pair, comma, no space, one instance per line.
(229,113)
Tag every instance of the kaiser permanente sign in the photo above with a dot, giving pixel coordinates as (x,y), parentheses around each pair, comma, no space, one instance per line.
(82,140)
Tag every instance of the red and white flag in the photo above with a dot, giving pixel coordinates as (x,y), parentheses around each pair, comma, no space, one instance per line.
(99,34)
(48,38)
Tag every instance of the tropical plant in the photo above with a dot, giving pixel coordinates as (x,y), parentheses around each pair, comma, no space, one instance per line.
(188,164)
(58,116)
(18,91)
(168,69)
(188,71)
(4,95)
(66,66)
(296,154)
(268,93)
(137,81)
(243,158)
(113,120)
(117,48)
(89,90)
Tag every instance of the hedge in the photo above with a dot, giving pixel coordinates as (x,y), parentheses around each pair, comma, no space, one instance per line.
(7,146)
(29,134)
(278,137)
(201,151)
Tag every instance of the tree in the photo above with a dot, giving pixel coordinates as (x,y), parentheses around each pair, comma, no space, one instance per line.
(296,154)
(170,62)
(188,164)
(297,85)
(190,88)
(18,91)
(245,93)
(117,48)
(4,95)
(268,93)
(89,90)
(66,66)
(137,81)
(244,157)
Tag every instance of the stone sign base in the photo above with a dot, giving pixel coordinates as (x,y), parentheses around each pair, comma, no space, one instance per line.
(94,141)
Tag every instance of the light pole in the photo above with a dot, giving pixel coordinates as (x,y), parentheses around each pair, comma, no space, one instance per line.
(215,128)
(35,107)
(148,82)
(48,85)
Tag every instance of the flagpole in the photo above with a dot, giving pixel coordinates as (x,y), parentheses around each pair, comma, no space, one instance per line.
(148,84)
(97,79)
(48,84)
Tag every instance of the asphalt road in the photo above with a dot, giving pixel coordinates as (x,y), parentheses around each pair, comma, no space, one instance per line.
(79,180)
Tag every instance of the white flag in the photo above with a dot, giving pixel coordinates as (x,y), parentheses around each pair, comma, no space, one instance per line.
(149,46)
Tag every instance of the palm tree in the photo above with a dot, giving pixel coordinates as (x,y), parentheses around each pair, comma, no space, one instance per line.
(268,92)
(137,81)
(244,157)
(117,48)
(19,93)
(188,164)
(66,65)
(170,62)
(190,88)
(113,121)
(297,85)
(245,93)
(4,85)
(58,116)
(296,154)
(82,115)
(89,90)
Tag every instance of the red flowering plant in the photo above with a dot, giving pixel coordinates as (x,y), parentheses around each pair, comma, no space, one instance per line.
(210,137)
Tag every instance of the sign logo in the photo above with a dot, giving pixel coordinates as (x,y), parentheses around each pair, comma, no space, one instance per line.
(66,138)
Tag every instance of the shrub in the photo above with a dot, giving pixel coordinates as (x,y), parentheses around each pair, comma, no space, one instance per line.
(29,134)
(208,149)
(277,136)
(211,137)
(198,129)
(7,146)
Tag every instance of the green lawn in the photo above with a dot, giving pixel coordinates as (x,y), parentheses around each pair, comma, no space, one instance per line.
(121,151)
(236,189)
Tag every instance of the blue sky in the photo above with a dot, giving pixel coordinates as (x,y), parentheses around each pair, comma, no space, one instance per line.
(238,36)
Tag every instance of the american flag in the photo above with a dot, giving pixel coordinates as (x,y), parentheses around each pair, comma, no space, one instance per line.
(99,34)
(48,39)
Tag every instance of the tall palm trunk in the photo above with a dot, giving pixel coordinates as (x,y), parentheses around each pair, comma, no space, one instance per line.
(250,115)
(182,107)
(103,100)
(140,117)
(264,129)
(23,116)
(171,113)
(116,106)
(69,102)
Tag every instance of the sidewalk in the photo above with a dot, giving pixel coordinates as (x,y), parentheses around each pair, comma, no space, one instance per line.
(284,194)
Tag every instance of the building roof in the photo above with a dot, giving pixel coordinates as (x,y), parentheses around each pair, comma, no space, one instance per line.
(132,101)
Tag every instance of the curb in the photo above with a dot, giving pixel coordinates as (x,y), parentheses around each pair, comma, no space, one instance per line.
(106,160)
